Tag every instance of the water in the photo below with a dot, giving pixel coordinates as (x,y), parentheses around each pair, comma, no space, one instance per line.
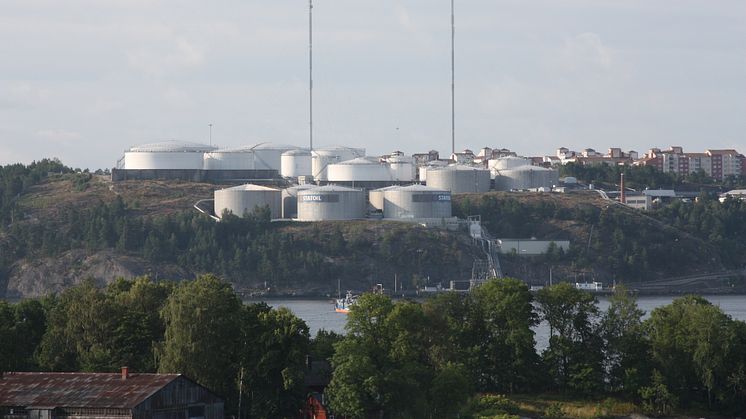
(320,314)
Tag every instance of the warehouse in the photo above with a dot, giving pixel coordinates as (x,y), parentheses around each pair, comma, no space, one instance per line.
(105,395)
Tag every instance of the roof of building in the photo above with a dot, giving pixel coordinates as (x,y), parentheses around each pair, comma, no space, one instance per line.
(728,151)
(81,390)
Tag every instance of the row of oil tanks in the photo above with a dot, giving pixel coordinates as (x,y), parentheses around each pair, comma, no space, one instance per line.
(333,202)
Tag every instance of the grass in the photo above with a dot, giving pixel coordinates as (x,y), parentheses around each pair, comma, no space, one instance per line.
(537,405)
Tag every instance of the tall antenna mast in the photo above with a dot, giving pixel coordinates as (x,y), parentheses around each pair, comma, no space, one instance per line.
(453,79)
(310,74)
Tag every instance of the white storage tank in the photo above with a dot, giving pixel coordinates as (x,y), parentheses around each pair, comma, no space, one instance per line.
(169,154)
(375,197)
(246,198)
(268,156)
(360,169)
(401,168)
(430,165)
(296,163)
(290,200)
(416,202)
(526,177)
(331,202)
(321,158)
(510,162)
(229,159)
(459,178)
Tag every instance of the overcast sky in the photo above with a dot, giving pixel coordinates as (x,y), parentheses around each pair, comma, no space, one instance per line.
(84,79)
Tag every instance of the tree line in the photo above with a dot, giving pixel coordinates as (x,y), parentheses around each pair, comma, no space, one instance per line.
(641,177)
(437,358)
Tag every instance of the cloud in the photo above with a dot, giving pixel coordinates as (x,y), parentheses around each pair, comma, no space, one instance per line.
(169,54)
(59,135)
(585,52)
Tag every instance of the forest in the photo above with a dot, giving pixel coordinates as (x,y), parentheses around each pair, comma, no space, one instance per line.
(454,355)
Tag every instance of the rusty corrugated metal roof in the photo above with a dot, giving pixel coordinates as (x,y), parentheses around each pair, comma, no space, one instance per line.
(75,389)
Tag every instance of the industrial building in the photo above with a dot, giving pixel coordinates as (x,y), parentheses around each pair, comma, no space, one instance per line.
(244,199)
(105,395)
(458,178)
(331,202)
(416,202)
(525,177)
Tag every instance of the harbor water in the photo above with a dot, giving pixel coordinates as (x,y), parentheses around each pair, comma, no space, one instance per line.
(320,314)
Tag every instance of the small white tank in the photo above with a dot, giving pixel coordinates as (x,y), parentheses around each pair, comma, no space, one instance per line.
(375,197)
(245,199)
(401,168)
(321,158)
(290,200)
(296,163)
(360,169)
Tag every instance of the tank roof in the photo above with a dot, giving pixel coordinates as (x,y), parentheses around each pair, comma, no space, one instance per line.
(249,187)
(335,188)
(420,188)
(172,146)
(297,152)
(459,167)
(272,146)
(360,161)
(527,168)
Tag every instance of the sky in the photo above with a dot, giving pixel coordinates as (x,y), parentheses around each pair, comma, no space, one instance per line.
(83,80)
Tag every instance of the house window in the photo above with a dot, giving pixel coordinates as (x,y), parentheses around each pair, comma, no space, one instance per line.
(196,412)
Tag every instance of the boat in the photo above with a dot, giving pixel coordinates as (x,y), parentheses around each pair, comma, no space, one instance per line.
(343,305)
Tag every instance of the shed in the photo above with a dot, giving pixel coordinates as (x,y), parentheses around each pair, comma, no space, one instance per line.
(47,395)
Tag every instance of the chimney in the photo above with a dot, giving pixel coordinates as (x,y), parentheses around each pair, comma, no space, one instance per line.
(622,198)
(125,373)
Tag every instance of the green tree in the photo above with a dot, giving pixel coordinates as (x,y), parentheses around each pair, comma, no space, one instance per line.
(626,347)
(574,356)
(506,359)
(202,323)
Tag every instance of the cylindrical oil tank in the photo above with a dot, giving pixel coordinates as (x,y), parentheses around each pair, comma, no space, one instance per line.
(375,197)
(246,198)
(166,155)
(416,201)
(360,169)
(430,165)
(321,158)
(229,159)
(290,200)
(331,202)
(510,162)
(296,163)
(526,177)
(401,168)
(268,156)
(459,178)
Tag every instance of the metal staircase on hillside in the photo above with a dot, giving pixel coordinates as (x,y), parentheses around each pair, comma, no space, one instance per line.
(484,269)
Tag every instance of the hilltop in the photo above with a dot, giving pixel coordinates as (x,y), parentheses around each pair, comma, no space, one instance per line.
(71,226)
